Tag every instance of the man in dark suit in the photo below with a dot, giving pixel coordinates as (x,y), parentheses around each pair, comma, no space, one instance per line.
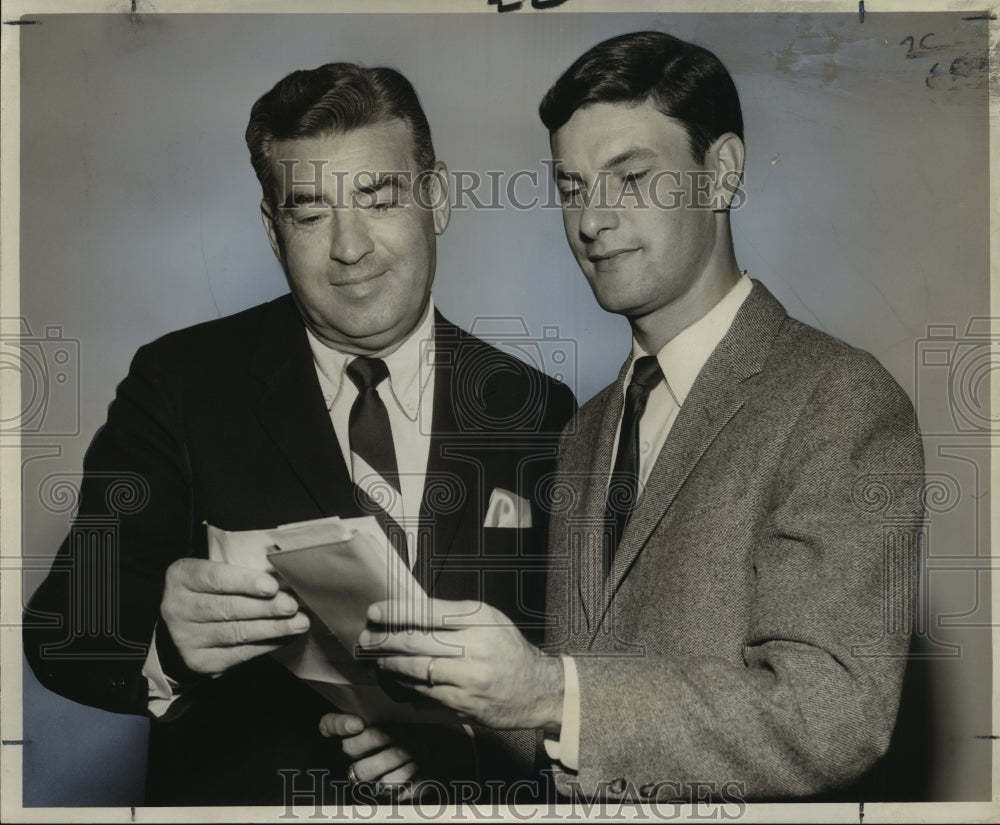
(350,396)
(732,556)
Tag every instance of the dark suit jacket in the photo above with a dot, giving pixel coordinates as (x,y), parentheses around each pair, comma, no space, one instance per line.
(225,422)
(753,631)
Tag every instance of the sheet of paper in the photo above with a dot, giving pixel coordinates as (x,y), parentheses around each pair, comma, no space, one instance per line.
(337,567)
(339,580)
(249,548)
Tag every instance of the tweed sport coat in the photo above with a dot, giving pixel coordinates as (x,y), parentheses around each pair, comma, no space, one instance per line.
(753,631)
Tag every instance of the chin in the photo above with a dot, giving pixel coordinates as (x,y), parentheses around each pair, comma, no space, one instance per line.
(611,302)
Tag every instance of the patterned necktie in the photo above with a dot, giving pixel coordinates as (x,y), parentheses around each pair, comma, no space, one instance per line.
(373,456)
(623,488)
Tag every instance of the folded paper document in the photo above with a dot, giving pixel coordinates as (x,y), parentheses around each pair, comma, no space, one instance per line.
(337,568)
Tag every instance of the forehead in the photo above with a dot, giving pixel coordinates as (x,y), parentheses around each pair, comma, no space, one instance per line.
(598,134)
(382,147)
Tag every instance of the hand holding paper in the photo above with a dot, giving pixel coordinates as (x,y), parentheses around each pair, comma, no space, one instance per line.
(340,576)
(219,615)
(470,657)
(337,568)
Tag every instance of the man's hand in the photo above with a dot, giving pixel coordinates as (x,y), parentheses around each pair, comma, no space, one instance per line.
(404,760)
(470,657)
(377,756)
(220,615)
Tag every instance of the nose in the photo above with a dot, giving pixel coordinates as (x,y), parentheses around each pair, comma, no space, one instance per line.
(351,240)
(595,218)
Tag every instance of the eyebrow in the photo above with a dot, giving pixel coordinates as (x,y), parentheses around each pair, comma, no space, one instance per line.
(305,198)
(630,154)
(383,180)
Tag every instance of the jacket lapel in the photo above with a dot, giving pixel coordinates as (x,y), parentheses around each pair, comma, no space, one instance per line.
(718,394)
(293,412)
(450,470)
(593,474)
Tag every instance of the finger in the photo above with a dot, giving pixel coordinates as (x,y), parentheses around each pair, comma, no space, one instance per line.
(367,742)
(415,668)
(393,779)
(426,614)
(340,724)
(205,576)
(424,643)
(211,607)
(387,760)
(226,634)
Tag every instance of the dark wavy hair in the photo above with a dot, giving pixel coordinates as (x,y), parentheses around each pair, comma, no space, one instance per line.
(685,82)
(333,98)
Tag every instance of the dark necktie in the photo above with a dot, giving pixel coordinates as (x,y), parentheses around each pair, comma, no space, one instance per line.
(623,487)
(371,441)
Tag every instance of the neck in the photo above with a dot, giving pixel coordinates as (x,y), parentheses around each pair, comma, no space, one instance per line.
(654,330)
(371,347)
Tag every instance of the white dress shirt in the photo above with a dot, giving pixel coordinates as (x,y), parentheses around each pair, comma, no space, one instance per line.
(408,395)
(681,360)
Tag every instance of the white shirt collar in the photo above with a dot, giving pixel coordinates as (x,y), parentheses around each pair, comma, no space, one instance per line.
(684,356)
(408,365)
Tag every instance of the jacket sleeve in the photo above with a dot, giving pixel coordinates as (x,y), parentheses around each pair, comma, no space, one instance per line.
(814,701)
(88,627)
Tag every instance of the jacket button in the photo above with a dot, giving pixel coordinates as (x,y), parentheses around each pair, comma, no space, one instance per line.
(647,791)
(618,785)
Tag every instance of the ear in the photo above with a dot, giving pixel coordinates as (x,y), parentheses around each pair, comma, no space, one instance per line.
(439,197)
(270,224)
(725,157)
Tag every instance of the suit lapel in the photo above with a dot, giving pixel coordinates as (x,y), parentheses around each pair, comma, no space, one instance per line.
(450,472)
(717,395)
(592,481)
(292,410)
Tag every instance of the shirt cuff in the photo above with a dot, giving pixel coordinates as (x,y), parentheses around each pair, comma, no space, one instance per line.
(566,749)
(162,689)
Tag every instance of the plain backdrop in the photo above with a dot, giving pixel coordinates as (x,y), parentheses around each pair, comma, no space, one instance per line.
(866,213)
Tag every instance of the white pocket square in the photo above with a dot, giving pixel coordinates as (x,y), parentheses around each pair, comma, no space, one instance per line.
(507,510)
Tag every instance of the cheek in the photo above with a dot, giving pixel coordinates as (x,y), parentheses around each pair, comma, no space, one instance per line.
(404,239)
(305,250)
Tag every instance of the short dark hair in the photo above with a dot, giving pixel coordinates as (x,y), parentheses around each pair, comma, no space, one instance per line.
(684,81)
(333,98)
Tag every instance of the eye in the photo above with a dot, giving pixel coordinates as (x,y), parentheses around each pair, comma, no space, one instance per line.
(380,208)
(569,197)
(308,220)
(632,179)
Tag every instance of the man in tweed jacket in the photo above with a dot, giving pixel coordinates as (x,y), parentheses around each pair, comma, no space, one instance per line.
(731,552)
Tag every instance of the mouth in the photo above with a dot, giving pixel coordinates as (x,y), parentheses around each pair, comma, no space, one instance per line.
(611,258)
(357,282)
